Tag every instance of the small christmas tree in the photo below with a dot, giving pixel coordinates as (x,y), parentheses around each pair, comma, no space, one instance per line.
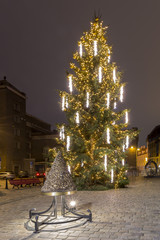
(96,136)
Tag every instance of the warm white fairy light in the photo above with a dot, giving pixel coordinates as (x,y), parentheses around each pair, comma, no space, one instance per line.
(126,117)
(122,162)
(70,84)
(80,50)
(115,104)
(109,56)
(114,75)
(69,169)
(68,143)
(63,103)
(114,122)
(105,162)
(108,100)
(100,74)
(77,118)
(87,100)
(61,133)
(108,135)
(127,141)
(121,94)
(112,175)
(82,164)
(95,48)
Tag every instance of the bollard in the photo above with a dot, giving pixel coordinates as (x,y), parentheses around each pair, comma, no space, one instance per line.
(6,184)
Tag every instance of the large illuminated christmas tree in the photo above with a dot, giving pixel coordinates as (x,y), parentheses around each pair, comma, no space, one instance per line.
(96,136)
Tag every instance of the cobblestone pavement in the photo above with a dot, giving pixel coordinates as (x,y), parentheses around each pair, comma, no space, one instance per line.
(132,213)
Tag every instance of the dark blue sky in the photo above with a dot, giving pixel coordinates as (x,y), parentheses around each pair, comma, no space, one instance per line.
(38,38)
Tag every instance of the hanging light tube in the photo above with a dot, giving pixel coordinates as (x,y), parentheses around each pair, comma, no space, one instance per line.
(69,169)
(109,56)
(108,135)
(105,162)
(108,100)
(115,104)
(63,103)
(70,84)
(112,175)
(77,118)
(122,162)
(80,50)
(114,74)
(68,143)
(66,102)
(95,48)
(123,147)
(62,135)
(126,117)
(127,141)
(87,100)
(100,74)
(121,94)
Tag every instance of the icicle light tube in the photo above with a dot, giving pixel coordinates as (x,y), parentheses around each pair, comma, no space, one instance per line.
(68,143)
(62,135)
(87,100)
(122,162)
(80,50)
(66,102)
(114,75)
(115,104)
(127,141)
(112,175)
(123,147)
(108,135)
(69,169)
(126,117)
(109,57)
(121,93)
(100,74)
(95,48)
(77,118)
(63,103)
(108,100)
(70,84)
(105,162)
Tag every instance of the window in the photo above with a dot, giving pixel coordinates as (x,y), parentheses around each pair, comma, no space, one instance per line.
(18,145)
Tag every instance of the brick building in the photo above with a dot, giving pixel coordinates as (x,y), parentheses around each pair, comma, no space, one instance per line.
(19,132)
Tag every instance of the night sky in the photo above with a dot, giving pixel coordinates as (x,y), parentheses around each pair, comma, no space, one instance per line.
(38,38)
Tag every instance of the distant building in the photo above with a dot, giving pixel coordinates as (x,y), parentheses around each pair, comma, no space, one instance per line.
(153,142)
(142,158)
(18,132)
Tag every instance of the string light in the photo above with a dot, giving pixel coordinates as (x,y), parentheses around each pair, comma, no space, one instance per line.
(112,175)
(100,74)
(77,118)
(121,94)
(109,57)
(82,164)
(127,141)
(95,48)
(70,84)
(80,50)
(126,117)
(108,100)
(61,134)
(105,162)
(114,75)
(87,101)
(63,103)
(122,162)
(68,143)
(108,135)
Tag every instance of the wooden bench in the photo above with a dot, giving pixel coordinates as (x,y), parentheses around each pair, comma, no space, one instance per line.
(24,182)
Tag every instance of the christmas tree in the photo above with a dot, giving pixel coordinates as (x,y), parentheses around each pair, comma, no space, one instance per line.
(96,136)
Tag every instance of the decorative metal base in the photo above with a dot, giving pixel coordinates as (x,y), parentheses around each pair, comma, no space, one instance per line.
(49,216)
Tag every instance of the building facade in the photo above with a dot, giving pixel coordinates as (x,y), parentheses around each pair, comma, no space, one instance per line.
(17,131)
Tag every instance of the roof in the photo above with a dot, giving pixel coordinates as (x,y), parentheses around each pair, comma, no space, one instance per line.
(155,134)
